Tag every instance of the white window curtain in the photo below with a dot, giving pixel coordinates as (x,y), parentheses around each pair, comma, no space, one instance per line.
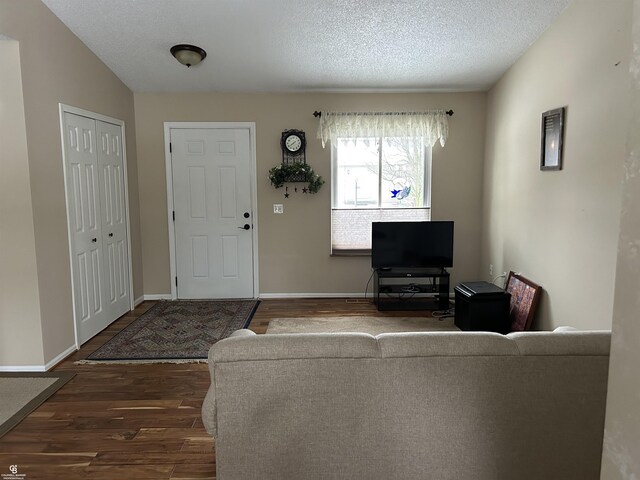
(432,126)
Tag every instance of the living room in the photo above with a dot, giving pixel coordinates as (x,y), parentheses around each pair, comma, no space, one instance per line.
(561,229)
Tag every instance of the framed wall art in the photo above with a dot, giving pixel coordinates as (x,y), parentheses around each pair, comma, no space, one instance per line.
(552,139)
(524,300)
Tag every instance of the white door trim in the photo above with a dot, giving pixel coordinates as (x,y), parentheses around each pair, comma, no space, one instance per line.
(96,116)
(168,126)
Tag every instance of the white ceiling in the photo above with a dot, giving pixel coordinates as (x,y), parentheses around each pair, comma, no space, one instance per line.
(312,45)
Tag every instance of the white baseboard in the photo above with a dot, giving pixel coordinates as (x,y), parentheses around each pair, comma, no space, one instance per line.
(22,368)
(167,296)
(274,296)
(157,296)
(39,368)
(267,296)
(52,363)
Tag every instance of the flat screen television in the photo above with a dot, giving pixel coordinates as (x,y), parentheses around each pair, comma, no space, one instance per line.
(412,244)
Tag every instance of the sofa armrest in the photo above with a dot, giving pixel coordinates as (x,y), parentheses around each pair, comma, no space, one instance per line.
(566,328)
(209,403)
(244,332)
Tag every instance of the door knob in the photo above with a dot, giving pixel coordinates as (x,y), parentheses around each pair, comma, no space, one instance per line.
(94,240)
(245,227)
(111,234)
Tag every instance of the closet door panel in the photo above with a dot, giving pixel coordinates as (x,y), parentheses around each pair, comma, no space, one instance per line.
(114,227)
(85,224)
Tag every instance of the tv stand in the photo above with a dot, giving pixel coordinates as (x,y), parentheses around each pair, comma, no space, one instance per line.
(409,288)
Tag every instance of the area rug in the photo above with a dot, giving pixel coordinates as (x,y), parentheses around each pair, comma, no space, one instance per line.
(371,325)
(21,393)
(176,332)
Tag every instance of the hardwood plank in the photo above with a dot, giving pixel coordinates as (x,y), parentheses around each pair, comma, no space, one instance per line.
(23,447)
(199,445)
(146,458)
(167,445)
(138,472)
(158,433)
(52,406)
(21,434)
(194,472)
(57,472)
(62,459)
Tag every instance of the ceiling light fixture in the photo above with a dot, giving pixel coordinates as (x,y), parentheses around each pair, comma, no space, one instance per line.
(188,54)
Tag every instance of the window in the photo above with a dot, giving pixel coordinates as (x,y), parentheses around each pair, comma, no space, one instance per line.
(381,170)
(376,179)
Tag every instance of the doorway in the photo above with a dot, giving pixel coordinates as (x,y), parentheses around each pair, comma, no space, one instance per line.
(211,197)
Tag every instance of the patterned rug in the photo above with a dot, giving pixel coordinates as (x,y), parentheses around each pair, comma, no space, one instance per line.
(176,331)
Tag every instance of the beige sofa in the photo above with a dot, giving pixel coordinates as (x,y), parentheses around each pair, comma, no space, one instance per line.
(441,405)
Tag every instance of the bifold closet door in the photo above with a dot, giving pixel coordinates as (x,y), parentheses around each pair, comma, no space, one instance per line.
(97,222)
(114,226)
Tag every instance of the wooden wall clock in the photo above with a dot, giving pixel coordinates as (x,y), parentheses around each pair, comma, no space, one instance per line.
(293,144)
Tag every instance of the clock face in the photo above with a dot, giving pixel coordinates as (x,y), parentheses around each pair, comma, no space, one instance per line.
(293,143)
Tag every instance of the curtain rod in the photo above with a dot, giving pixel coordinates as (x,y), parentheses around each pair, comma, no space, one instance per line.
(319,114)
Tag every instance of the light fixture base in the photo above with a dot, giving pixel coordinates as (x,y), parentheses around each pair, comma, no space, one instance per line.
(188,54)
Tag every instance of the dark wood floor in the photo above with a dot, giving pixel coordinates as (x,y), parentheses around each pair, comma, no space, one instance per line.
(135,421)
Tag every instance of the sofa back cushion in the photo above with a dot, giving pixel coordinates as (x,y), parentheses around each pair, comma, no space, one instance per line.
(444,344)
(289,346)
(564,342)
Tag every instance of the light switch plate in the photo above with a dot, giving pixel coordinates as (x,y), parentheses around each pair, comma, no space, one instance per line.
(278,208)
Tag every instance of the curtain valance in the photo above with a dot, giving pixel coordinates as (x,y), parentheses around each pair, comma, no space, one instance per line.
(431,126)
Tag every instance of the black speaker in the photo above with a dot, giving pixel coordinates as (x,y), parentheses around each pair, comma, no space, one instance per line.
(482,306)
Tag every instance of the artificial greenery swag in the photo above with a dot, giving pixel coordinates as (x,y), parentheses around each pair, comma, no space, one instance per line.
(295,172)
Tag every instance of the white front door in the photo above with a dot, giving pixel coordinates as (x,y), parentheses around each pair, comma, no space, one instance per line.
(212,203)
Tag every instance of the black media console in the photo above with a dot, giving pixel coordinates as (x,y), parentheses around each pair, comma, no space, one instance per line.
(411,288)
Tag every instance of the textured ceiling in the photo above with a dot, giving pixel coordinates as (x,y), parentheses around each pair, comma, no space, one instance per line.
(314,45)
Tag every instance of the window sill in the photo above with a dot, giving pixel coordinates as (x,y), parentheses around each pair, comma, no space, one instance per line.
(366,252)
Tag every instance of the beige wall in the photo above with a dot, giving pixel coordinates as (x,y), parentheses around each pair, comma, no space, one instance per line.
(58,67)
(20,328)
(294,247)
(560,228)
(621,454)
